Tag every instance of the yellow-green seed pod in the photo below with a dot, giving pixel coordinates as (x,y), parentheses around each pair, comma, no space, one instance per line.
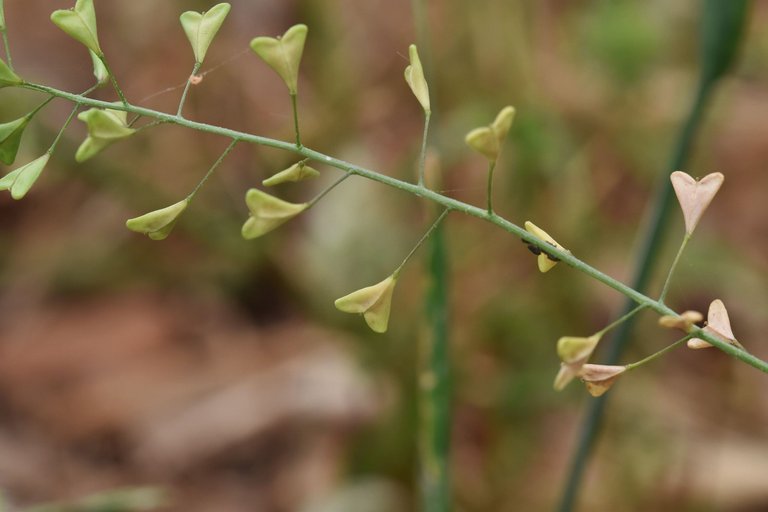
(414,75)
(10,138)
(487,140)
(80,24)
(545,261)
(21,180)
(283,54)
(201,28)
(373,302)
(158,224)
(484,142)
(572,349)
(267,213)
(297,172)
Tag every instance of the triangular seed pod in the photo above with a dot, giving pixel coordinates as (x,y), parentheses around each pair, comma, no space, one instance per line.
(10,138)
(545,261)
(297,172)
(694,196)
(373,302)
(283,54)
(414,75)
(201,28)
(80,24)
(267,213)
(158,224)
(21,180)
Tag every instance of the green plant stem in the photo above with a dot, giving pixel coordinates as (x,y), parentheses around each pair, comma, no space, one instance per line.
(423,152)
(67,121)
(113,80)
(332,186)
(61,131)
(431,229)
(40,107)
(215,165)
(447,202)
(295,108)
(489,193)
(672,268)
(183,99)
(656,355)
(620,320)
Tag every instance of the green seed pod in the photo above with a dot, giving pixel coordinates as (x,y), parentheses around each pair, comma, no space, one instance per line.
(21,180)
(105,126)
(414,75)
(158,224)
(297,172)
(267,213)
(99,69)
(7,77)
(283,54)
(373,302)
(10,138)
(201,28)
(80,24)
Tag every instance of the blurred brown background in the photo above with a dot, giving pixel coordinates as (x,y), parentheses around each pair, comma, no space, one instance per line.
(219,370)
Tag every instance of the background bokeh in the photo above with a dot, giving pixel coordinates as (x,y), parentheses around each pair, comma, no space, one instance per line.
(219,370)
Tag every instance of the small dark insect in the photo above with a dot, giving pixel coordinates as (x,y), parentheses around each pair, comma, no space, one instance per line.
(535,250)
(549,256)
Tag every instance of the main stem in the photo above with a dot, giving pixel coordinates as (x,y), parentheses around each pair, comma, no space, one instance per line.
(447,202)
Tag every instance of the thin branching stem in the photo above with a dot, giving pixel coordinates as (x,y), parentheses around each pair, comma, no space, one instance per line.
(113,80)
(656,355)
(63,128)
(423,152)
(213,168)
(489,192)
(183,99)
(668,281)
(332,186)
(621,320)
(431,229)
(412,188)
(295,108)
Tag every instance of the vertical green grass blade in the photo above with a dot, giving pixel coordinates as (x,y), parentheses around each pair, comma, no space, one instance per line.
(722,26)
(435,385)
